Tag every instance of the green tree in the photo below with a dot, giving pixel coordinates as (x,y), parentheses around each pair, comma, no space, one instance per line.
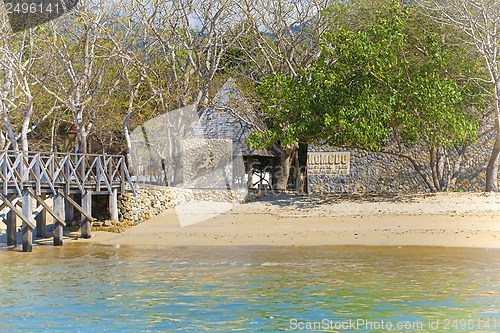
(480,24)
(383,88)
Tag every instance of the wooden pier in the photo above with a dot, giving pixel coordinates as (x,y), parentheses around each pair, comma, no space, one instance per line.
(56,177)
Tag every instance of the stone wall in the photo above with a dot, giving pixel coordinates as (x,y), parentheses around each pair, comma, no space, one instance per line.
(207,163)
(153,200)
(383,173)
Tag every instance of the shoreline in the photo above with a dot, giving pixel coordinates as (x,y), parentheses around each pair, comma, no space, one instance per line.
(389,231)
(454,220)
(470,220)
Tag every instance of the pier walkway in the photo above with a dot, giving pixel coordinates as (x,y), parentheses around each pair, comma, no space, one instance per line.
(53,181)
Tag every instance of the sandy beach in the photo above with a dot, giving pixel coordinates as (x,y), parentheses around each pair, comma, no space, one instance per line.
(445,219)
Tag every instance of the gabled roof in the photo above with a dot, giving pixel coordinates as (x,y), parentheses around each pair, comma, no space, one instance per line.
(232,117)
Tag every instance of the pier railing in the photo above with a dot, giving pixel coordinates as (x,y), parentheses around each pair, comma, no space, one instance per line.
(58,178)
(50,172)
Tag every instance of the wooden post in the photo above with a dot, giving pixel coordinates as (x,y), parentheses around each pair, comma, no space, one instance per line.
(41,220)
(4,173)
(26,230)
(250,172)
(273,173)
(86,225)
(113,205)
(297,171)
(123,165)
(69,212)
(11,229)
(261,175)
(57,227)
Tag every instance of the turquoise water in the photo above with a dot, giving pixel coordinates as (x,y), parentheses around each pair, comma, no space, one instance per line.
(87,288)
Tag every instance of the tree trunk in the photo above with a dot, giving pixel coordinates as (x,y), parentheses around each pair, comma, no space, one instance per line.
(176,156)
(3,140)
(133,92)
(24,134)
(12,136)
(434,167)
(493,163)
(456,168)
(126,133)
(286,163)
(53,136)
(422,173)
(440,168)
(82,141)
(492,168)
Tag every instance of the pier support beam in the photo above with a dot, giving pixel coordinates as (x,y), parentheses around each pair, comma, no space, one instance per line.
(27,230)
(69,212)
(41,220)
(86,225)
(57,227)
(11,229)
(113,205)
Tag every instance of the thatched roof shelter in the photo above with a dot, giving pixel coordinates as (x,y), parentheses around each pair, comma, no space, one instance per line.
(231,117)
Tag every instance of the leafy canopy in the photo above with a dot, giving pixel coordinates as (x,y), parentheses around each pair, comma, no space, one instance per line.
(374,86)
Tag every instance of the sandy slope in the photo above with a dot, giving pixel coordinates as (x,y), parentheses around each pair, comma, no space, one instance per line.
(450,219)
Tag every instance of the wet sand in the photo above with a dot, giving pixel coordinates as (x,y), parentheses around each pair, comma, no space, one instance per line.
(448,219)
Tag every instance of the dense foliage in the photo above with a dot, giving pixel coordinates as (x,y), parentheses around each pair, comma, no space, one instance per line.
(390,86)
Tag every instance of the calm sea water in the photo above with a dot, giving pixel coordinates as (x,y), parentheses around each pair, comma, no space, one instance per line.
(87,288)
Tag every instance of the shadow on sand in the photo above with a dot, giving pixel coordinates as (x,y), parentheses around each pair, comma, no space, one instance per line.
(309,201)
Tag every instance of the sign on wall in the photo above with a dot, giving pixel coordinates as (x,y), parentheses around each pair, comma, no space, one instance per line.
(329,163)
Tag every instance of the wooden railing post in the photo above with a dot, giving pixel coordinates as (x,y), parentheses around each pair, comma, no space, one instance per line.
(5,184)
(52,166)
(67,162)
(38,177)
(122,175)
(98,175)
(20,169)
(109,170)
(82,168)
